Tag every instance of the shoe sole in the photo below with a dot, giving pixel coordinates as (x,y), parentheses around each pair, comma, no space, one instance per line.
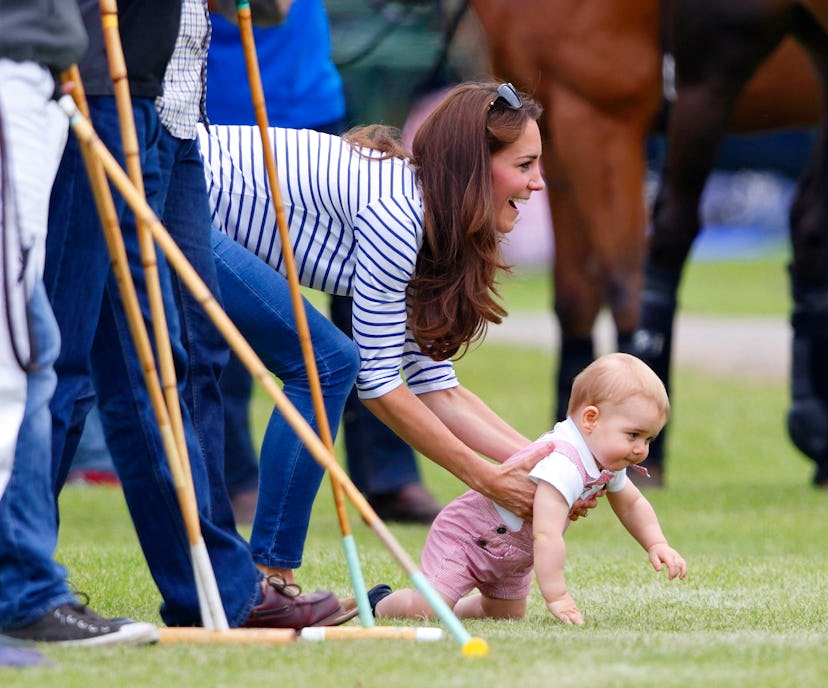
(347,610)
(128,634)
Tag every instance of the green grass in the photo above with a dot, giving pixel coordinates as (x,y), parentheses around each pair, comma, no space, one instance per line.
(749,287)
(738,505)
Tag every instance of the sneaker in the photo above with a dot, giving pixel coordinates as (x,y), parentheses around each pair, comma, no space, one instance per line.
(410,504)
(76,624)
(284,606)
(21,657)
(377,593)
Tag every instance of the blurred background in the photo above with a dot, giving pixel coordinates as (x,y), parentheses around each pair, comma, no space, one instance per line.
(396,56)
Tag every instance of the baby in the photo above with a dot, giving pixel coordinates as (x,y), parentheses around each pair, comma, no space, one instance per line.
(617,407)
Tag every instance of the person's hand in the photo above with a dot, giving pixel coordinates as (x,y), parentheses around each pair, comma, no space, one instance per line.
(581,507)
(566,611)
(662,554)
(512,488)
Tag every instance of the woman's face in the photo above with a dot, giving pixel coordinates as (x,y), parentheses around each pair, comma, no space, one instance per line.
(515,175)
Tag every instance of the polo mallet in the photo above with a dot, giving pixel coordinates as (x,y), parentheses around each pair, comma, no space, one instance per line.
(472,646)
(257,95)
(210,605)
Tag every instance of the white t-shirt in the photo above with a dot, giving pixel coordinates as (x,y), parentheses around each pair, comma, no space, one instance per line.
(560,472)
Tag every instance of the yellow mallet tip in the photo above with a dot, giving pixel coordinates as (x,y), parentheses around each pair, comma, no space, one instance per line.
(475,647)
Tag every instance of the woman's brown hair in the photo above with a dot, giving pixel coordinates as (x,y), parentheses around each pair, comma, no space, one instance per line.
(452,296)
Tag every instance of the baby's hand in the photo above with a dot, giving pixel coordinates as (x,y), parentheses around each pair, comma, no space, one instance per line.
(566,611)
(662,553)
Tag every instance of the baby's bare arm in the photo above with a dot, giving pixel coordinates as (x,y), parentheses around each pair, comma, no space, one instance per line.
(639,518)
(551,514)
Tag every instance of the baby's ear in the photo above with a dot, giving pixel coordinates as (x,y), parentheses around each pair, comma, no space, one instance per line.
(589,416)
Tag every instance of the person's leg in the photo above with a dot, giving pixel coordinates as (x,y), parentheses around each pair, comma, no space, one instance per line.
(135,442)
(76,269)
(482,607)
(187,218)
(92,463)
(257,298)
(36,603)
(241,465)
(31,581)
(381,465)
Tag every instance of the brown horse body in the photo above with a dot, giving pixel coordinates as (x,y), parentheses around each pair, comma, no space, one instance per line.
(596,67)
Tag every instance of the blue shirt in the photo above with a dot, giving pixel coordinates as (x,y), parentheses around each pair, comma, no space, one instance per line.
(302,86)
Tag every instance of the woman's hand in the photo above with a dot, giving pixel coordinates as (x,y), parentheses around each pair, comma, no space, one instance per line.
(581,507)
(511,486)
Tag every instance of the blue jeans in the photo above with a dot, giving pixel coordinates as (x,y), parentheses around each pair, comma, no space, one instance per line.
(257,299)
(96,339)
(31,581)
(187,218)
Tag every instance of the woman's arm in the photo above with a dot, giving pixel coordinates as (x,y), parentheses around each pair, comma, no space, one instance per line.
(450,426)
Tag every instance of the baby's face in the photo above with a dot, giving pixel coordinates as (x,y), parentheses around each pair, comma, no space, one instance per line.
(619,435)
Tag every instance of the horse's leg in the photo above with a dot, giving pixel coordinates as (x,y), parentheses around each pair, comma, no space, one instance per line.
(808,415)
(715,55)
(577,299)
(595,185)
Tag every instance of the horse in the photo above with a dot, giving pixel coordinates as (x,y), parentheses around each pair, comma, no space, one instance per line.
(597,69)
(717,46)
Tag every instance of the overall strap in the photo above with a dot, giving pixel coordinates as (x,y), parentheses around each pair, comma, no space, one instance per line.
(570,452)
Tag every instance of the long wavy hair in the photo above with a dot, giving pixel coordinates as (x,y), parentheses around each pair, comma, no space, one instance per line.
(452,296)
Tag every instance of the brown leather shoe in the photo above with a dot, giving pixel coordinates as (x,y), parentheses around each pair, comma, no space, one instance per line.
(284,606)
(410,504)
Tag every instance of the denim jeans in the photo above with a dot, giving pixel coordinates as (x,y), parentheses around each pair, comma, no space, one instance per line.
(187,218)
(96,339)
(257,299)
(32,583)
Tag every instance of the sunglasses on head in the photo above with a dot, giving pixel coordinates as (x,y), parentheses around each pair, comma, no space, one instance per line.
(509,95)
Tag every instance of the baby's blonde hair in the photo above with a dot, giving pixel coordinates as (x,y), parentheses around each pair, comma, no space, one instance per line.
(614,378)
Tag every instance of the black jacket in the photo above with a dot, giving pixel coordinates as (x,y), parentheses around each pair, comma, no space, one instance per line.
(148,31)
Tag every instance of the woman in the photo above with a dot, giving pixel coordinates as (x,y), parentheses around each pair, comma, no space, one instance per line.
(416,240)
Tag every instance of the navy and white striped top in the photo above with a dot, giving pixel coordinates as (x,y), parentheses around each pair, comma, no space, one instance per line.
(356,226)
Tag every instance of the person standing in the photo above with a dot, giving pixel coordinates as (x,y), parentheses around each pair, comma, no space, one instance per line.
(96,340)
(39,40)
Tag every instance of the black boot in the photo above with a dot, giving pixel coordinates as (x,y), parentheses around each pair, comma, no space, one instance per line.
(808,415)
(652,342)
(576,354)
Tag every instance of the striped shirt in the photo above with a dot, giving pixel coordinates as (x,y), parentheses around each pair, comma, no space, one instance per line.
(355,225)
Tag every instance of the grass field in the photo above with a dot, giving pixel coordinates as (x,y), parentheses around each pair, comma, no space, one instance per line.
(738,505)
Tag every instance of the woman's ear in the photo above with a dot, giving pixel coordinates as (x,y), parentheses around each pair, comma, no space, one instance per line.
(589,417)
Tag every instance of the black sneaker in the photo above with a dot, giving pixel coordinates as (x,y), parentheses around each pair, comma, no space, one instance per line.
(377,593)
(76,624)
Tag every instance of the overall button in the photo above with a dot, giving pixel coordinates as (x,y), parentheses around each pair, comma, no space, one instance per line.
(481,542)
(501,530)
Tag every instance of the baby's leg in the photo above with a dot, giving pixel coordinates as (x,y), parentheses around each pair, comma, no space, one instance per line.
(406,603)
(482,607)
